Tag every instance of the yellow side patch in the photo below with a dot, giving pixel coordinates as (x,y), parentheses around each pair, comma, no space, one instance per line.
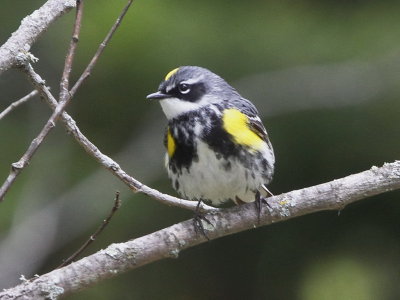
(171,146)
(236,124)
(170,73)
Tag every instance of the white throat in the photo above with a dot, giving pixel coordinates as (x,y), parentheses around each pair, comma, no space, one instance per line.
(173,107)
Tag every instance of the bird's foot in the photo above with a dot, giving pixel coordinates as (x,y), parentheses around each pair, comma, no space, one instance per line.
(259,201)
(198,221)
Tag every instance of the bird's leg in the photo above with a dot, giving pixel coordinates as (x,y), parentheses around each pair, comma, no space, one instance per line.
(198,221)
(259,201)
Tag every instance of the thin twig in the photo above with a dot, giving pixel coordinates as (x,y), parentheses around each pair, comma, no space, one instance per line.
(92,238)
(91,149)
(105,160)
(64,83)
(100,50)
(17,103)
(17,167)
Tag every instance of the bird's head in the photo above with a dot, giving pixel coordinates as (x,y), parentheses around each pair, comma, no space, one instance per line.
(189,88)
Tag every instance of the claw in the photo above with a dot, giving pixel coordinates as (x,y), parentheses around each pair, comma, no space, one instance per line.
(197,221)
(259,201)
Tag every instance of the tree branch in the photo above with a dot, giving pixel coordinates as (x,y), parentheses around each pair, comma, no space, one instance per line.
(24,58)
(64,82)
(105,160)
(92,238)
(90,148)
(17,167)
(168,242)
(30,29)
(100,50)
(17,103)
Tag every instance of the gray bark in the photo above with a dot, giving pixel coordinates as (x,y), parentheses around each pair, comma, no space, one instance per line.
(31,28)
(168,242)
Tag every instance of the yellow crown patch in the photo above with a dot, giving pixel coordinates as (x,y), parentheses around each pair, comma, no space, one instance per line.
(170,73)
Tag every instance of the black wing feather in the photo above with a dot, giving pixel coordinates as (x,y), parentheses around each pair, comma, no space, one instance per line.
(258,128)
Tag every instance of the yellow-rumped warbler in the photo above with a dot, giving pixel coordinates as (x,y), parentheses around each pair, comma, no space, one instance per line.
(217,147)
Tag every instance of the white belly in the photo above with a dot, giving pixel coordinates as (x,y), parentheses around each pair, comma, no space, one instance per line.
(216,180)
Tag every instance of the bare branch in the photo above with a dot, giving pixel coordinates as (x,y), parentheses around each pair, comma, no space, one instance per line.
(65,98)
(116,206)
(100,50)
(17,103)
(17,167)
(64,83)
(30,29)
(105,160)
(168,242)
(90,148)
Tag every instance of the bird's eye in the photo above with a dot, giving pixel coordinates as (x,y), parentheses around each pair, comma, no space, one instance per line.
(183,88)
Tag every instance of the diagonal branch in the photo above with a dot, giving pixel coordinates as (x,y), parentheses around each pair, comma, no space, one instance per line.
(105,160)
(168,242)
(100,50)
(17,167)
(92,238)
(92,150)
(30,29)
(65,98)
(17,103)
(64,82)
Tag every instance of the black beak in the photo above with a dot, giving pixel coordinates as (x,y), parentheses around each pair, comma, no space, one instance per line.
(158,96)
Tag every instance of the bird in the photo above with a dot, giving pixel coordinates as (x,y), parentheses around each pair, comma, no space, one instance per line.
(217,148)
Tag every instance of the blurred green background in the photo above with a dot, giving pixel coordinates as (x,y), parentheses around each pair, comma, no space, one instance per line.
(324,75)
